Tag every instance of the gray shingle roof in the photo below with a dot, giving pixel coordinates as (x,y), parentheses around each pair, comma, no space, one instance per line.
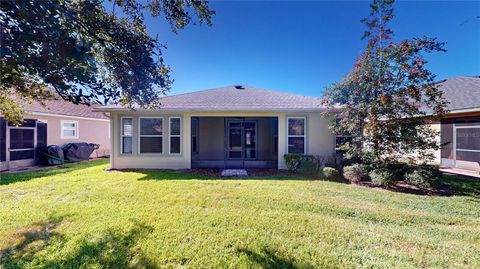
(62,107)
(232,99)
(461,92)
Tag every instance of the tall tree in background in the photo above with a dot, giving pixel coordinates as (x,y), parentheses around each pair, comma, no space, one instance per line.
(86,53)
(383,102)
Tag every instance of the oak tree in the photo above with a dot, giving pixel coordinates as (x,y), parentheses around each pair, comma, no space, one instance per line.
(87,51)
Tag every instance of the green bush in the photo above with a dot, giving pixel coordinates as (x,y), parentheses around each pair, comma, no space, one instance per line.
(381,177)
(330,173)
(292,161)
(310,165)
(306,164)
(355,172)
(423,177)
(399,169)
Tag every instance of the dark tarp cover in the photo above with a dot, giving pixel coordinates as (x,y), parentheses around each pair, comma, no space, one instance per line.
(54,155)
(75,152)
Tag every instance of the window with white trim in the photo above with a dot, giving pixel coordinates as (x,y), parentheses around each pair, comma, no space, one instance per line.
(127,139)
(296,135)
(151,135)
(174,135)
(69,129)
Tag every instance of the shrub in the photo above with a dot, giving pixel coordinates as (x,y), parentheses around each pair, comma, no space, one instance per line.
(355,172)
(292,161)
(399,169)
(306,164)
(381,176)
(330,173)
(423,177)
(309,165)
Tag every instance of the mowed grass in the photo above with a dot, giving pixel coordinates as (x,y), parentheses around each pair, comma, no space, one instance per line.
(81,216)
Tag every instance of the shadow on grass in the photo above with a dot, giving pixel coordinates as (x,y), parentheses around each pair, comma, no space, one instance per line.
(113,249)
(269,259)
(448,186)
(463,186)
(25,242)
(205,174)
(9,178)
(170,175)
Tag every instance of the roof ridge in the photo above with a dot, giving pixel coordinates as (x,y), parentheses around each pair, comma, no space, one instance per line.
(460,76)
(246,87)
(295,94)
(204,90)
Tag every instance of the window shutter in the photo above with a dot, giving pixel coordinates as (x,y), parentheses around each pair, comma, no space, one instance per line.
(41,142)
(3,139)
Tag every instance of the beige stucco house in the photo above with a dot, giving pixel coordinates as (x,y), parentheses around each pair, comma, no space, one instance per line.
(247,127)
(230,127)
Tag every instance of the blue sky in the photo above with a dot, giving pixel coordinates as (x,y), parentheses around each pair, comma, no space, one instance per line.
(302,47)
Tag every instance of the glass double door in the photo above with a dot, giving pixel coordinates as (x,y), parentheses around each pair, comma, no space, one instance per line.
(241,142)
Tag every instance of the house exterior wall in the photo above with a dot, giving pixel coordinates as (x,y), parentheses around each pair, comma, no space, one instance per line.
(319,141)
(436,126)
(89,130)
(447,156)
(451,157)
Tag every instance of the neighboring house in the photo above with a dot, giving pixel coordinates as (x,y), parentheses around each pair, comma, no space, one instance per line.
(460,129)
(230,127)
(59,123)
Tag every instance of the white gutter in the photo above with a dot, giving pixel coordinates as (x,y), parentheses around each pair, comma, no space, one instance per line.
(458,111)
(64,116)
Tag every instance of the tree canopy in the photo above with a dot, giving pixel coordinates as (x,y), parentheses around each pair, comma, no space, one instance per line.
(388,99)
(87,51)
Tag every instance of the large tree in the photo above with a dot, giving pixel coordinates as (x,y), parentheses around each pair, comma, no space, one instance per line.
(88,51)
(388,99)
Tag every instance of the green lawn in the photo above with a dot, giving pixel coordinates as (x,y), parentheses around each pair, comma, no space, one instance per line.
(83,216)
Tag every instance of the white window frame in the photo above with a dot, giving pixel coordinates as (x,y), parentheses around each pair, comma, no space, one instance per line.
(140,135)
(304,133)
(76,128)
(122,136)
(170,135)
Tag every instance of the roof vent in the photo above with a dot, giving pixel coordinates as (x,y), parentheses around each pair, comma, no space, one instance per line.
(239,87)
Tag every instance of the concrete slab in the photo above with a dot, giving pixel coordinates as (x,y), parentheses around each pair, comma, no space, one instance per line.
(234,173)
(461,172)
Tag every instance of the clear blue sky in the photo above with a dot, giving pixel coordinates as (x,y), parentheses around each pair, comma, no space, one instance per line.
(302,47)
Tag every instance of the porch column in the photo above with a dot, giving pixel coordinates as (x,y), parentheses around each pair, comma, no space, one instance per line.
(282,141)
